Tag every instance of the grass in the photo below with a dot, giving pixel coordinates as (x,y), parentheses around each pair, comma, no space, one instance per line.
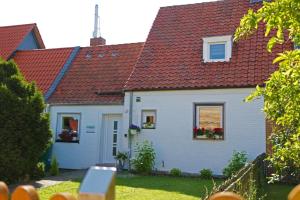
(144,188)
(278,191)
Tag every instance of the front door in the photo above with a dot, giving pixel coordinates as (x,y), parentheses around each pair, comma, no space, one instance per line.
(112,126)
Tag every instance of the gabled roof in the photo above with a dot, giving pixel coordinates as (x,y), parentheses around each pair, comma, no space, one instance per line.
(172,54)
(12,36)
(46,67)
(98,75)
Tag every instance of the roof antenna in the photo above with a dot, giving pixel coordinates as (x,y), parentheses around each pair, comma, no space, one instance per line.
(96,38)
(96,23)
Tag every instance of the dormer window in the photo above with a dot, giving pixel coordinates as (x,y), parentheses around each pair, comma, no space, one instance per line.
(217,49)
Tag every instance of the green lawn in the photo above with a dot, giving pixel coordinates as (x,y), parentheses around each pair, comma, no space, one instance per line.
(278,191)
(144,188)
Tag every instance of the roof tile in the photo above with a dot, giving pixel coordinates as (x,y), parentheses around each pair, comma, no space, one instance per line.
(172,55)
(98,75)
(42,66)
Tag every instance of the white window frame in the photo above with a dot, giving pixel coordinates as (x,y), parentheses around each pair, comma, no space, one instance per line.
(145,113)
(59,127)
(207,41)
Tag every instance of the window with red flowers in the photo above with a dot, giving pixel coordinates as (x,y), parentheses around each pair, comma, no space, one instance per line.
(209,121)
(68,126)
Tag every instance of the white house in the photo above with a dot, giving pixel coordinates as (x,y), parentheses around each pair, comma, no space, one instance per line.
(87,107)
(185,87)
(188,87)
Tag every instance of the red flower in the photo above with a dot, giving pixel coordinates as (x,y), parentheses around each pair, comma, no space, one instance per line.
(218,131)
(195,130)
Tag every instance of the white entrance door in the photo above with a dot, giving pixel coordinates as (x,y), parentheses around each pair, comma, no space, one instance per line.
(112,126)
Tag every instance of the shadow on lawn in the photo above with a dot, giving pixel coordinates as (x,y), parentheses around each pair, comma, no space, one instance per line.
(189,186)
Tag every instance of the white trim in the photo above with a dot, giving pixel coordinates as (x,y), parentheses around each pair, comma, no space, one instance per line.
(227,40)
(59,121)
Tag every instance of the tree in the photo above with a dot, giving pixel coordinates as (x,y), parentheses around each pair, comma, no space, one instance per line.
(281,91)
(24,127)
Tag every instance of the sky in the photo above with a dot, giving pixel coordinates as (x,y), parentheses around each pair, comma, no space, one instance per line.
(68,23)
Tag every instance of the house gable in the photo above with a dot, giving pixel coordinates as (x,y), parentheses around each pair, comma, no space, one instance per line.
(19,37)
(29,42)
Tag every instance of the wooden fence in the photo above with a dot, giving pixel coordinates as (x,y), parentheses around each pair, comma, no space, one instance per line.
(99,184)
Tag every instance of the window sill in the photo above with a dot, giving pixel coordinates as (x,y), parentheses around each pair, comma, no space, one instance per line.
(148,128)
(62,141)
(206,138)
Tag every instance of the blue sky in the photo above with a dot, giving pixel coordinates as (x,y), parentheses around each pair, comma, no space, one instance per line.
(65,23)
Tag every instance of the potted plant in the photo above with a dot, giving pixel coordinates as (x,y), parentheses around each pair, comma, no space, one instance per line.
(121,158)
(134,129)
(199,132)
(219,132)
(66,136)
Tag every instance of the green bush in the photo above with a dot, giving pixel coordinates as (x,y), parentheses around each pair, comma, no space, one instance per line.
(24,129)
(236,163)
(40,170)
(205,174)
(121,157)
(144,158)
(175,172)
(54,170)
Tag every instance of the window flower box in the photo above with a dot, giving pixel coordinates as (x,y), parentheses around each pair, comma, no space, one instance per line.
(202,133)
(133,129)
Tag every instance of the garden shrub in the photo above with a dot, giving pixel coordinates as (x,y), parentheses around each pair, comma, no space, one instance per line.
(24,129)
(205,173)
(121,157)
(144,159)
(175,172)
(40,170)
(54,170)
(237,162)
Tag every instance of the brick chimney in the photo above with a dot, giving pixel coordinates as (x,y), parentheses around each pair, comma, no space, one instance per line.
(97,41)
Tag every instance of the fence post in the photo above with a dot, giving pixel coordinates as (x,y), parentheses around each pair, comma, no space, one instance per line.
(98,184)
(225,196)
(3,191)
(63,196)
(25,192)
(295,193)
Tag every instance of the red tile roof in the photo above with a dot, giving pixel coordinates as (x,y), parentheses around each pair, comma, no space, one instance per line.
(42,66)
(172,55)
(98,75)
(12,36)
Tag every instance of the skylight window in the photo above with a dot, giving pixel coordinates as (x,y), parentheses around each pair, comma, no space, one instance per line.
(217,49)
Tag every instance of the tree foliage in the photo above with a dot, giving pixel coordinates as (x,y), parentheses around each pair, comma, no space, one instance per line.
(281,91)
(24,127)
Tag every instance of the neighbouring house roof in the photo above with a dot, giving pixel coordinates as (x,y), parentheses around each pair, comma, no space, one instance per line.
(11,37)
(98,75)
(172,55)
(46,66)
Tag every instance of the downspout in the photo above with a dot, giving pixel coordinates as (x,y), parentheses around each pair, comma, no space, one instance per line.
(130,122)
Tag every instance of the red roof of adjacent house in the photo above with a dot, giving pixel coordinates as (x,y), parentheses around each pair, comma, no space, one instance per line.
(172,54)
(42,66)
(12,36)
(98,75)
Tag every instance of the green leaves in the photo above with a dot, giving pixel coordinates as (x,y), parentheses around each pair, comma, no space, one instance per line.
(144,159)
(281,92)
(23,125)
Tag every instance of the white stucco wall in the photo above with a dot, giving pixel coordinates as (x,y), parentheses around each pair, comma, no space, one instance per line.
(173,136)
(88,151)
